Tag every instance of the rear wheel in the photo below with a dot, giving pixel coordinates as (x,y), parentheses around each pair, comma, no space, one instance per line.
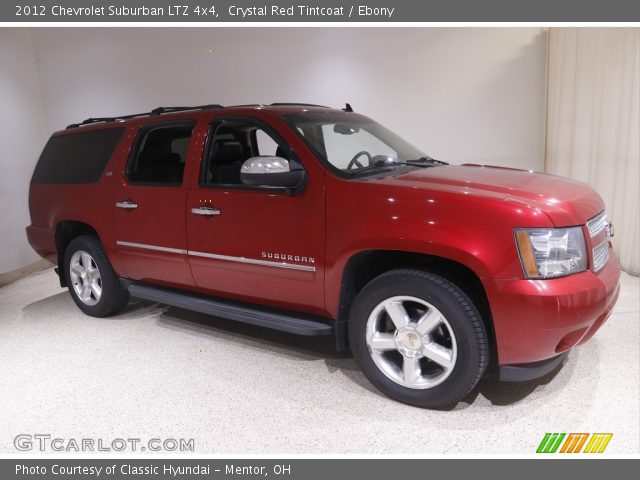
(418,338)
(92,282)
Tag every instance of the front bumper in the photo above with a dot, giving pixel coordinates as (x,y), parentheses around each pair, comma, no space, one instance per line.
(537,320)
(529,371)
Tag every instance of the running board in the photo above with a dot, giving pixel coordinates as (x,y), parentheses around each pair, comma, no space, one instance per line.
(299,324)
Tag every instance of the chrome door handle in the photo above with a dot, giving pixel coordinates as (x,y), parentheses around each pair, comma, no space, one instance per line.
(206,211)
(127,205)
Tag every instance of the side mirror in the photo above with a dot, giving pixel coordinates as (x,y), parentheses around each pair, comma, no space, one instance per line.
(271,172)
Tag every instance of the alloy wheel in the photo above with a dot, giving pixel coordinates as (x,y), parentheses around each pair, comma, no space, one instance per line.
(411,342)
(85,278)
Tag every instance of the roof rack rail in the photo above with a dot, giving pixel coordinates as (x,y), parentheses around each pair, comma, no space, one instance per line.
(161,110)
(89,121)
(246,105)
(155,111)
(284,104)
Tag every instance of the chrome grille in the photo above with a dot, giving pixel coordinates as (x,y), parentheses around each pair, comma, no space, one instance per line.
(597,224)
(600,255)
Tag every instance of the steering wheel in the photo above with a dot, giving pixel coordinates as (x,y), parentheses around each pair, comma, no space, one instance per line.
(354,161)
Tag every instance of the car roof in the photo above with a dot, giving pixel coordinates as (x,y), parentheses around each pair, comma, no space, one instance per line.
(280,108)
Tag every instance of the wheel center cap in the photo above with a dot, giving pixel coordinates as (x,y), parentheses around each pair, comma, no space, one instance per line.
(408,341)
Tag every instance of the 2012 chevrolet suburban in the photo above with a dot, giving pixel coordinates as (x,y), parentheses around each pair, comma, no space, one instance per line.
(318,221)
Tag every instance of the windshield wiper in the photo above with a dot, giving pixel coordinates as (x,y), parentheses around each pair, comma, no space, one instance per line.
(423,162)
(429,160)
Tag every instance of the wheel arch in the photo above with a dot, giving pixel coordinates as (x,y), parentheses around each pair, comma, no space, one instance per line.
(366,265)
(65,232)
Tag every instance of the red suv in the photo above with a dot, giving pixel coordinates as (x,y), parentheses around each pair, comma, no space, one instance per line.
(318,221)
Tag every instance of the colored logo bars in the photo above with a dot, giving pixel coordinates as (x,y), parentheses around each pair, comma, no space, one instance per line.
(574,442)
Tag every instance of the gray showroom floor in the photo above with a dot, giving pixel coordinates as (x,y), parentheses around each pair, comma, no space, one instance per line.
(155,371)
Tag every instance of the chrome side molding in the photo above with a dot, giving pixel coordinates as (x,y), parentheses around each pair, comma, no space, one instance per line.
(151,247)
(254,261)
(215,256)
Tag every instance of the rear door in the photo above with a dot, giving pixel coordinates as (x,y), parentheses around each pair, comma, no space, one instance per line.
(254,243)
(150,203)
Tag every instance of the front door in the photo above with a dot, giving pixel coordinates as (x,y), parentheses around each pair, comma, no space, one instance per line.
(150,205)
(254,243)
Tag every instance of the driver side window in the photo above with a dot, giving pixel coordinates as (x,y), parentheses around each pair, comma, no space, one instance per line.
(266,145)
(232,142)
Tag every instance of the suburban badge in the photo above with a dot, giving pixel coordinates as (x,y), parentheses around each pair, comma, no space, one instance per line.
(285,257)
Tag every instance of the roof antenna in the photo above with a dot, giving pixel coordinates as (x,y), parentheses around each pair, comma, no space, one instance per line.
(347,108)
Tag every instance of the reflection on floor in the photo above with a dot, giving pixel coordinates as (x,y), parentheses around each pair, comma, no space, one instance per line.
(155,371)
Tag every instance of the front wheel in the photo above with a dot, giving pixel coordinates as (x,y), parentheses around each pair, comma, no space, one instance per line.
(418,338)
(93,284)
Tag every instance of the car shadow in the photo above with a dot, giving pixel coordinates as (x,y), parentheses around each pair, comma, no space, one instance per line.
(290,346)
(508,393)
(283,343)
(302,348)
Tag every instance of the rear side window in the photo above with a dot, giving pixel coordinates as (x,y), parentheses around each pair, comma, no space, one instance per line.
(160,155)
(76,158)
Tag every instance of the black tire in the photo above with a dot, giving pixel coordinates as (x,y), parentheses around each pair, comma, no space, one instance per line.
(113,295)
(459,311)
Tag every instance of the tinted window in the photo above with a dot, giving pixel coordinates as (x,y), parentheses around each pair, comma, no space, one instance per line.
(76,158)
(160,156)
(233,142)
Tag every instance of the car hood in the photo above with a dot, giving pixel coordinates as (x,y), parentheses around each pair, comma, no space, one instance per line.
(567,202)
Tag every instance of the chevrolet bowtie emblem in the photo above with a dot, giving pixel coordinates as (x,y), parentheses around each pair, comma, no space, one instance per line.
(609,229)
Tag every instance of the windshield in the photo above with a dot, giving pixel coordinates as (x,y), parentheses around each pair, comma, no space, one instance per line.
(351,142)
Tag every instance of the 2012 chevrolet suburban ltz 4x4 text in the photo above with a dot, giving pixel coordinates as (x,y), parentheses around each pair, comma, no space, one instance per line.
(319,221)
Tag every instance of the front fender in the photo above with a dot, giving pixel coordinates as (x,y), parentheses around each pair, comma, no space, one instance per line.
(470,229)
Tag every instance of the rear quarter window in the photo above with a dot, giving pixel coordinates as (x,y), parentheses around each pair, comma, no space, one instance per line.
(76,158)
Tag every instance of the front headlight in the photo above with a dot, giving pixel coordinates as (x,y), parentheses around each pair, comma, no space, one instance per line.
(552,252)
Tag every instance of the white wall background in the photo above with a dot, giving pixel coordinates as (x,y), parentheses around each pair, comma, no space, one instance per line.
(474,94)
(22,136)
(593,122)
(461,95)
